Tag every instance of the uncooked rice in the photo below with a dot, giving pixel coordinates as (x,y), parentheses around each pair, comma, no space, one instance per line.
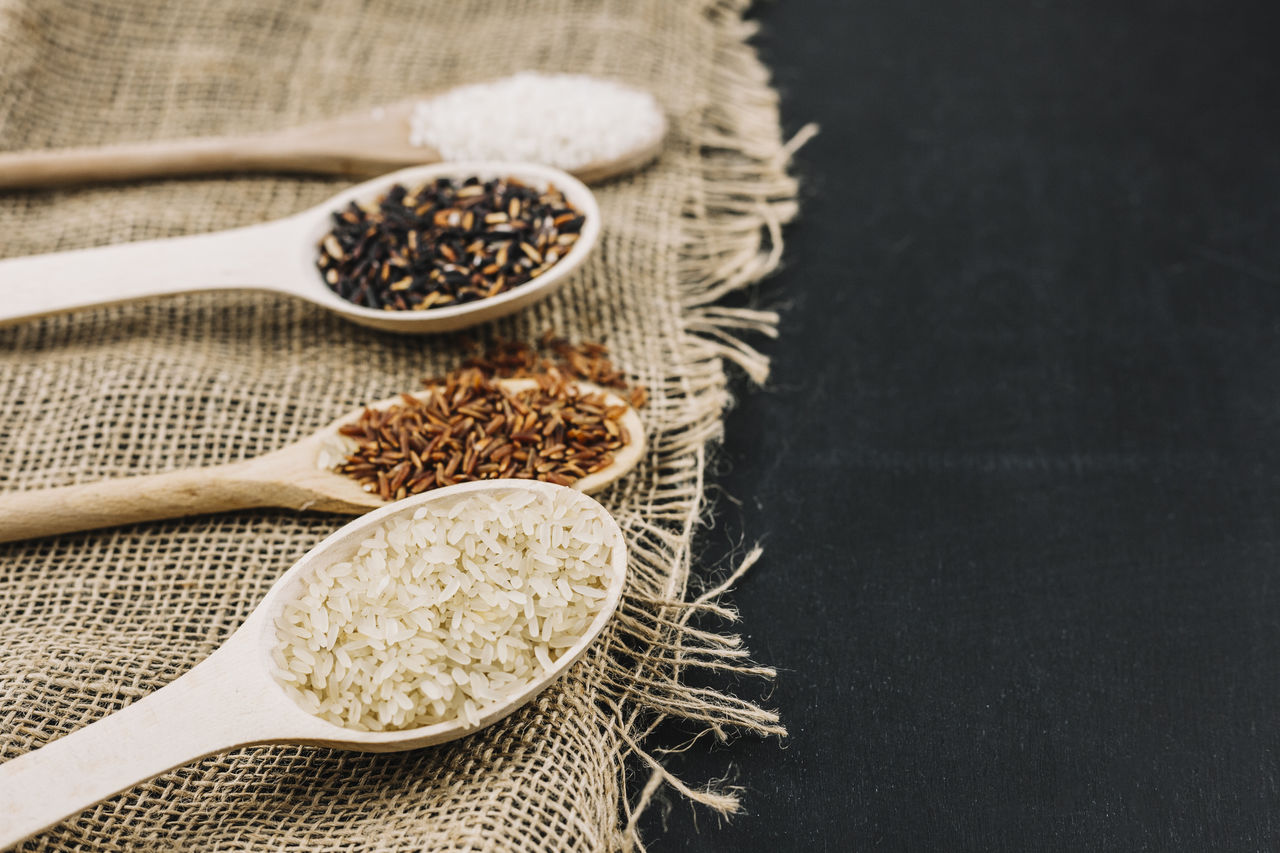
(563,120)
(474,428)
(438,616)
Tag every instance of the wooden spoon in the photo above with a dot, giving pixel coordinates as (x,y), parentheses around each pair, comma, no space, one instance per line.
(294,477)
(231,699)
(277,256)
(360,145)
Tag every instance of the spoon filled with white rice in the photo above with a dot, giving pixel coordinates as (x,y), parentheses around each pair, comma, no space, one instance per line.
(413,625)
(442,616)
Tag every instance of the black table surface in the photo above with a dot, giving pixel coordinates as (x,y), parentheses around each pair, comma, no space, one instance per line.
(1017,471)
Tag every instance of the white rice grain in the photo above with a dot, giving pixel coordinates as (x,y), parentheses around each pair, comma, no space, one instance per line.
(563,120)
(424,623)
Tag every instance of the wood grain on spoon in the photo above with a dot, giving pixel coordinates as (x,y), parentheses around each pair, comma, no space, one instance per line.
(289,478)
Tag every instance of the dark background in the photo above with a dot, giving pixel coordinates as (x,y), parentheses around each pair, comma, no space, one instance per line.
(1017,471)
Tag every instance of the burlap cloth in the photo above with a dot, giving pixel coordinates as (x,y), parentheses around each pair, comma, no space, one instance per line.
(91,622)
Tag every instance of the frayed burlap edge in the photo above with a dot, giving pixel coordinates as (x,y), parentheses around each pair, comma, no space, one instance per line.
(733,239)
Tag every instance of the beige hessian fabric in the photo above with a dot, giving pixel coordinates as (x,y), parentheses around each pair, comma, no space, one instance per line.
(92,622)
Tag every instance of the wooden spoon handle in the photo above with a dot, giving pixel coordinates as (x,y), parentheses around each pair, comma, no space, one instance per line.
(46,512)
(61,167)
(212,708)
(255,257)
(337,148)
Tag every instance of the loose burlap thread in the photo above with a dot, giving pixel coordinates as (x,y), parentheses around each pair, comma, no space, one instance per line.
(91,622)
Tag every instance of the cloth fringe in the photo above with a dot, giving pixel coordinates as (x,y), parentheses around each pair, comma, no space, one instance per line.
(736,240)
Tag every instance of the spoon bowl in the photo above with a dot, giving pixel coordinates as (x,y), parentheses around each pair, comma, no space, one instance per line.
(280,256)
(297,476)
(231,699)
(342,544)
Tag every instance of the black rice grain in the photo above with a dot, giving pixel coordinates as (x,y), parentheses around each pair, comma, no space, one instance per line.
(446,243)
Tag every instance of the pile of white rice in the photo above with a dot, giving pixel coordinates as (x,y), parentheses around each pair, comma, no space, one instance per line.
(437,616)
(562,120)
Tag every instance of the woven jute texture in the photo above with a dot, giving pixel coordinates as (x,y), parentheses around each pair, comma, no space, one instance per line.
(92,622)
